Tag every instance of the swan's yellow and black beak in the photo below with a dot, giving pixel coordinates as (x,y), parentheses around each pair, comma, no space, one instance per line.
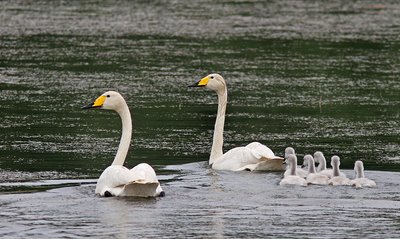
(201,83)
(97,103)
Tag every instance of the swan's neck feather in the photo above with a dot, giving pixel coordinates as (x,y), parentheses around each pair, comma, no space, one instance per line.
(311,166)
(293,167)
(336,171)
(360,172)
(123,148)
(218,139)
(322,164)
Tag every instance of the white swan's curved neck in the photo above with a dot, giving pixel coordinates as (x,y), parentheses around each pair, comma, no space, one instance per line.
(126,135)
(218,139)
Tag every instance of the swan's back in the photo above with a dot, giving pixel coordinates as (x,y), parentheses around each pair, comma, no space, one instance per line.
(235,159)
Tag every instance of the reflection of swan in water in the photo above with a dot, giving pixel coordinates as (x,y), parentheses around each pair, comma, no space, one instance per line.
(313,177)
(293,178)
(254,156)
(299,171)
(337,179)
(117,180)
(360,180)
(320,159)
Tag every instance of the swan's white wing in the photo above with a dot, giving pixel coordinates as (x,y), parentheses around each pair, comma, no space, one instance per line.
(145,184)
(262,151)
(140,181)
(144,172)
(254,156)
(236,158)
(113,179)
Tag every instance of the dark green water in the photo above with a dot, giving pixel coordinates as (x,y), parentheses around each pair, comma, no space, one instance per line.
(311,75)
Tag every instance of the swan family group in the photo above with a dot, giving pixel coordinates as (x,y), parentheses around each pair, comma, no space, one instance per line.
(141,181)
(321,176)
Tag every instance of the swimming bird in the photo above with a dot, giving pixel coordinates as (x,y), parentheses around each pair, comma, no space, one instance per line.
(299,171)
(288,151)
(254,156)
(293,178)
(360,180)
(117,180)
(314,177)
(320,159)
(337,179)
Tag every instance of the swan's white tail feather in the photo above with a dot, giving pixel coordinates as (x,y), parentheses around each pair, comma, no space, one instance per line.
(140,189)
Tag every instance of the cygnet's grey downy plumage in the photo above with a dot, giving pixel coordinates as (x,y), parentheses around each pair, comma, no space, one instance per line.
(337,179)
(299,171)
(360,180)
(320,159)
(314,177)
(293,178)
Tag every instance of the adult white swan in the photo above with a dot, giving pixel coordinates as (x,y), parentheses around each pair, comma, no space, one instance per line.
(254,156)
(360,180)
(117,180)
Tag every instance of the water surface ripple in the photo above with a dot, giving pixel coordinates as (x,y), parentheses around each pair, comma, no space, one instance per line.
(307,74)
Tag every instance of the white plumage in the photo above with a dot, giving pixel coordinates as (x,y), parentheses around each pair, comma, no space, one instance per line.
(254,156)
(337,179)
(314,177)
(293,178)
(320,159)
(360,180)
(117,180)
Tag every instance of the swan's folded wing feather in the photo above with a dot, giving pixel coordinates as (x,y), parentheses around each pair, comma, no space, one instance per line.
(261,151)
(144,172)
(113,176)
(235,158)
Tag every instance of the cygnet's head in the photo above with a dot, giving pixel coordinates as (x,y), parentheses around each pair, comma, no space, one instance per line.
(319,156)
(308,159)
(110,100)
(213,82)
(288,151)
(335,161)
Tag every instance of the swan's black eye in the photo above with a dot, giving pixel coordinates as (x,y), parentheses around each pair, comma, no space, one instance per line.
(212,77)
(108,96)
